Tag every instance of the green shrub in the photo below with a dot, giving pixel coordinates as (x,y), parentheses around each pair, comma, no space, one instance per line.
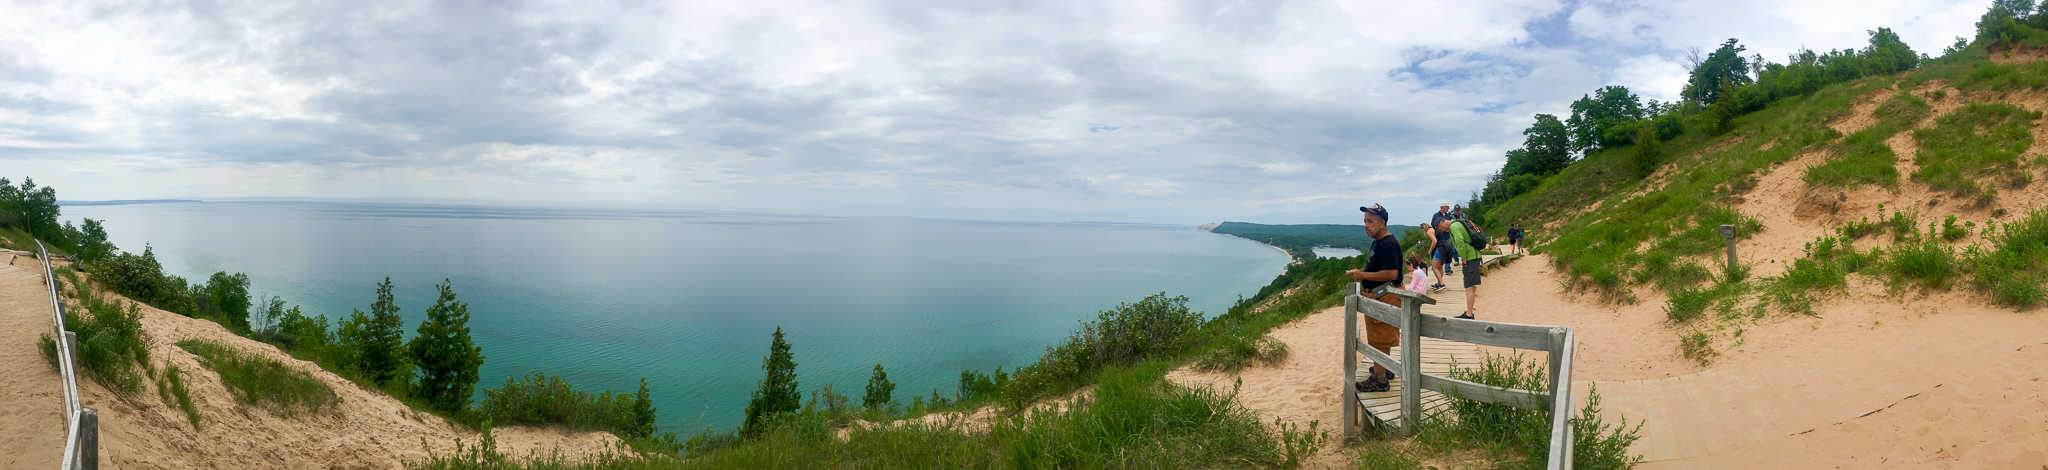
(260,381)
(2014,266)
(542,399)
(1155,326)
(111,343)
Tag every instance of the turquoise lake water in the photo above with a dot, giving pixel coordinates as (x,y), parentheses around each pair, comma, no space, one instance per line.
(689,299)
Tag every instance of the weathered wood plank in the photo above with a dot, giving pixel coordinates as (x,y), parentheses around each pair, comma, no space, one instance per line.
(1405,294)
(1380,311)
(1507,335)
(1487,393)
(1561,404)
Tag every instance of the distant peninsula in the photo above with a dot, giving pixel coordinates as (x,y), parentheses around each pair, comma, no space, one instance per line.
(124,202)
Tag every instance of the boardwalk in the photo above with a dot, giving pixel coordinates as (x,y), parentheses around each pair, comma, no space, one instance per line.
(1383,409)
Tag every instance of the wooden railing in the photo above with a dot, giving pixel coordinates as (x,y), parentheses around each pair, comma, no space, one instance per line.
(81,438)
(1414,325)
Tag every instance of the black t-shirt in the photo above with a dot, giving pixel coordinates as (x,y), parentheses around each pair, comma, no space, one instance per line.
(1386,254)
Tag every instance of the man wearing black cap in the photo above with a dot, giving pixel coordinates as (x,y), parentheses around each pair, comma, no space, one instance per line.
(1382,266)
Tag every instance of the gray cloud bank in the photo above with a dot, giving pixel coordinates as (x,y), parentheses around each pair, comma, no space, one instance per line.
(1144,111)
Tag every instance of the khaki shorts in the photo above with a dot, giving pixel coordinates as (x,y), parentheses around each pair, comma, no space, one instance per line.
(1381,335)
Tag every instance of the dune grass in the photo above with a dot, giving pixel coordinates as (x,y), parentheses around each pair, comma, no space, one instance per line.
(170,387)
(260,381)
(1863,157)
(1979,141)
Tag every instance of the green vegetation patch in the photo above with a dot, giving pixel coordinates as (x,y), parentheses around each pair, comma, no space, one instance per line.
(1521,436)
(1975,142)
(261,381)
(112,348)
(1863,157)
(543,399)
(2015,267)
(1135,420)
(170,387)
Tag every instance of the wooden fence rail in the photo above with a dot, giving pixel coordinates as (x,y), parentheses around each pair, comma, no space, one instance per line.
(81,437)
(1556,341)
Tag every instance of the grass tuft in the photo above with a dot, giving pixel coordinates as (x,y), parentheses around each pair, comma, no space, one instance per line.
(261,381)
(1979,141)
(170,386)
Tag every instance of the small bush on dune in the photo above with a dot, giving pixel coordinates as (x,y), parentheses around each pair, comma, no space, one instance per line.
(2014,267)
(547,400)
(1154,326)
(111,342)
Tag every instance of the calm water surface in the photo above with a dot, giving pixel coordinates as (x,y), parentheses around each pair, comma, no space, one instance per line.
(689,299)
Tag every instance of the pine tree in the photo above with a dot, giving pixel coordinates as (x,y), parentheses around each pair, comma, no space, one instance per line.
(777,393)
(380,339)
(879,389)
(447,358)
(643,413)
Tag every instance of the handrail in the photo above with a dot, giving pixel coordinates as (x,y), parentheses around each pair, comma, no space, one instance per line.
(81,424)
(1556,341)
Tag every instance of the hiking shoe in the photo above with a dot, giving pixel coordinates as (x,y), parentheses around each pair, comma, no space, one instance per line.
(1436,289)
(1467,316)
(1371,385)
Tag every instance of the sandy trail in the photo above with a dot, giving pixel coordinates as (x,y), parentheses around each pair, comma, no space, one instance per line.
(367,429)
(1869,383)
(1946,382)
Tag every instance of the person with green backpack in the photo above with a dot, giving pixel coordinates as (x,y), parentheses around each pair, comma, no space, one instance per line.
(1467,242)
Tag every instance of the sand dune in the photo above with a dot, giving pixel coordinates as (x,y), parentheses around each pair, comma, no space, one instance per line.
(366,430)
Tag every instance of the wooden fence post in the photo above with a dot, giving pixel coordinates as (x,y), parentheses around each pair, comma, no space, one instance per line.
(1411,365)
(1349,393)
(88,439)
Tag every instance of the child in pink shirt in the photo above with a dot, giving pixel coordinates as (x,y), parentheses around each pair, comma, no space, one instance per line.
(1416,282)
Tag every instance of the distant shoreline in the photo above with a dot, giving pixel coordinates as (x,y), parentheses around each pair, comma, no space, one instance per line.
(124,202)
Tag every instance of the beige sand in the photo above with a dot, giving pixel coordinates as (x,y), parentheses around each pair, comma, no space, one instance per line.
(1869,383)
(366,430)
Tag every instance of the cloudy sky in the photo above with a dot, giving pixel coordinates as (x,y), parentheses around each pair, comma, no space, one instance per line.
(1172,112)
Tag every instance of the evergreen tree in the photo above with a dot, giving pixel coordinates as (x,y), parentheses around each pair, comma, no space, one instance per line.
(777,393)
(643,413)
(879,389)
(377,341)
(1649,151)
(447,359)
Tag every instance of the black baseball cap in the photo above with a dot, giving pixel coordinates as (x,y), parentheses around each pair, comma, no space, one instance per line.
(1375,210)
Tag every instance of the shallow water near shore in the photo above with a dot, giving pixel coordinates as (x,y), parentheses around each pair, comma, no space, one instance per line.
(689,299)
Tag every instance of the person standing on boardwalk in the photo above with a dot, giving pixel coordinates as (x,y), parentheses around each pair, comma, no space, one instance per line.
(1461,240)
(1382,267)
(1418,276)
(1440,253)
(1515,238)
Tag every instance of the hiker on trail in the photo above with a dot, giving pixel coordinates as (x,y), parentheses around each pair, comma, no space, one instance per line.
(1418,276)
(1382,267)
(1515,238)
(1461,239)
(1440,252)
